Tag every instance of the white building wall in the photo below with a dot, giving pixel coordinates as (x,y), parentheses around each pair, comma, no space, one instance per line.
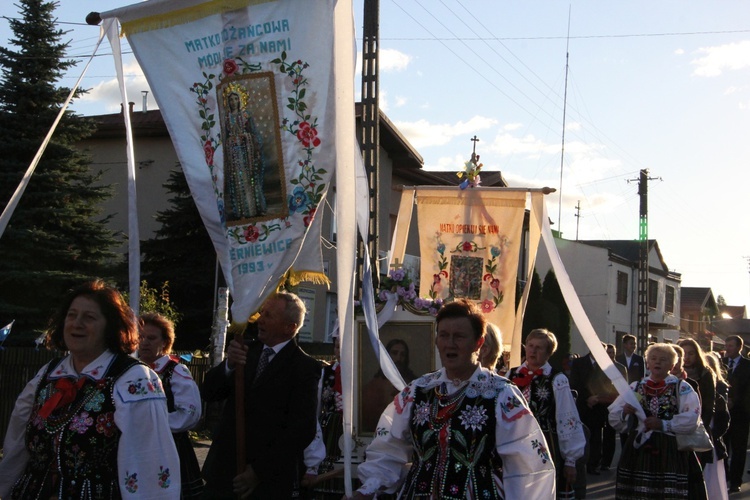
(590,273)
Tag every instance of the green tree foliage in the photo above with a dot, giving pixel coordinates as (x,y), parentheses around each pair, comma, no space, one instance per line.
(158,301)
(546,308)
(533,316)
(182,254)
(57,237)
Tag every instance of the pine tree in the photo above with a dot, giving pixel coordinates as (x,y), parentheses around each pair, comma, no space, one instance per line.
(533,316)
(57,237)
(183,255)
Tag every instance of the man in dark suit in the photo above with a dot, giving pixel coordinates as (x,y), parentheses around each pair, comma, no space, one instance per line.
(633,362)
(280,408)
(738,371)
(635,366)
(595,393)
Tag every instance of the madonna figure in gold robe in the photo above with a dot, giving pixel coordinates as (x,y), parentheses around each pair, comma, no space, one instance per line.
(244,165)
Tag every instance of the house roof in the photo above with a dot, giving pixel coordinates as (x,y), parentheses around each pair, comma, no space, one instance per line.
(407,162)
(734,312)
(726,327)
(152,123)
(629,250)
(696,297)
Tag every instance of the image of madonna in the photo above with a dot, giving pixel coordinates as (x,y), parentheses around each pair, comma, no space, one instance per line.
(244,163)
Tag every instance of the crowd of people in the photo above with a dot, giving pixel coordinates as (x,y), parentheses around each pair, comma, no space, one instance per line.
(109,417)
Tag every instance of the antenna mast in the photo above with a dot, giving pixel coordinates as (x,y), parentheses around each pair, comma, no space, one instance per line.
(565,107)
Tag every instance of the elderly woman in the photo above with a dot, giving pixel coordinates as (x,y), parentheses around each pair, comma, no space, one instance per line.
(92,424)
(489,353)
(453,425)
(183,395)
(557,416)
(651,465)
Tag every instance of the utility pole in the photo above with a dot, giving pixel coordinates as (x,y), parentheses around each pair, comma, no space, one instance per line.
(578,217)
(369,135)
(643,260)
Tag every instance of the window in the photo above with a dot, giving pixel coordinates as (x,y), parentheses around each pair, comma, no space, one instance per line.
(653,293)
(622,287)
(669,300)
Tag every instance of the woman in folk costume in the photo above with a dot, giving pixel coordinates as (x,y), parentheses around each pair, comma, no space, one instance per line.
(92,424)
(548,392)
(453,424)
(489,353)
(331,425)
(651,465)
(244,163)
(183,396)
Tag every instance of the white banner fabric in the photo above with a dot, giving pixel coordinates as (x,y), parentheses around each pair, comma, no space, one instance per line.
(246,89)
(469,243)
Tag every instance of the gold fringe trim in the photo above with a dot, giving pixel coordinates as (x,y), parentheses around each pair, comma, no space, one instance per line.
(294,277)
(236,328)
(185,15)
(487,202)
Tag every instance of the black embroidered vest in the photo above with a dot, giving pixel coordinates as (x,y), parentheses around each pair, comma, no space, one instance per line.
(73,452)
(454,443)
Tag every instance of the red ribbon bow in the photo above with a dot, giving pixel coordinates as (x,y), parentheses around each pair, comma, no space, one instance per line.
(66,393)
(524,377)
(337,379)
(655,385)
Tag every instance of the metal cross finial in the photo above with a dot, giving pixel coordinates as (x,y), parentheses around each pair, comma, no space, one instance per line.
(396,264)
(475,140)
(474,156)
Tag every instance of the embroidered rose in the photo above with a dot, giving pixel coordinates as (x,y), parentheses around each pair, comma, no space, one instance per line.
(251,233)
(466,247)
(163,476)
(541,450)
(487,306)
(494,251)
(307,219)
(308,135)
(473,417)
(421,413)
(81,423)
(230,67)
(105,424)
(495,283)
(131,482)
(208,149)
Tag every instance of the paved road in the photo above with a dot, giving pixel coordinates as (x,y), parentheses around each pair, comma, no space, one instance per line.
(599,487)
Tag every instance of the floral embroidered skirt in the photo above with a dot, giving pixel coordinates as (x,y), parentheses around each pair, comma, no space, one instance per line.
(658,470)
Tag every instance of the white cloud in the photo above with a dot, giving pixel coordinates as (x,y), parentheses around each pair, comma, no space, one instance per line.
(679,52)
(393,60)
(107,93)
(512,126)
(390,60)
(732,56)
(400,101)
(422,133)
(527,146)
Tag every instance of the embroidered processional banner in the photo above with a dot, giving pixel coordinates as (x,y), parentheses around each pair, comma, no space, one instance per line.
(246,91)
(469,244)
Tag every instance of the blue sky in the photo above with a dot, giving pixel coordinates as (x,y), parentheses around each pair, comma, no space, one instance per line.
(658,85)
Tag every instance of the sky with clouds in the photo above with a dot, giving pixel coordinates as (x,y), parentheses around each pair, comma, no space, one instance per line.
(656,85)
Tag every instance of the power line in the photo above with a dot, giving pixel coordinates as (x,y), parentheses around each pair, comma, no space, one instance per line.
(579,37)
